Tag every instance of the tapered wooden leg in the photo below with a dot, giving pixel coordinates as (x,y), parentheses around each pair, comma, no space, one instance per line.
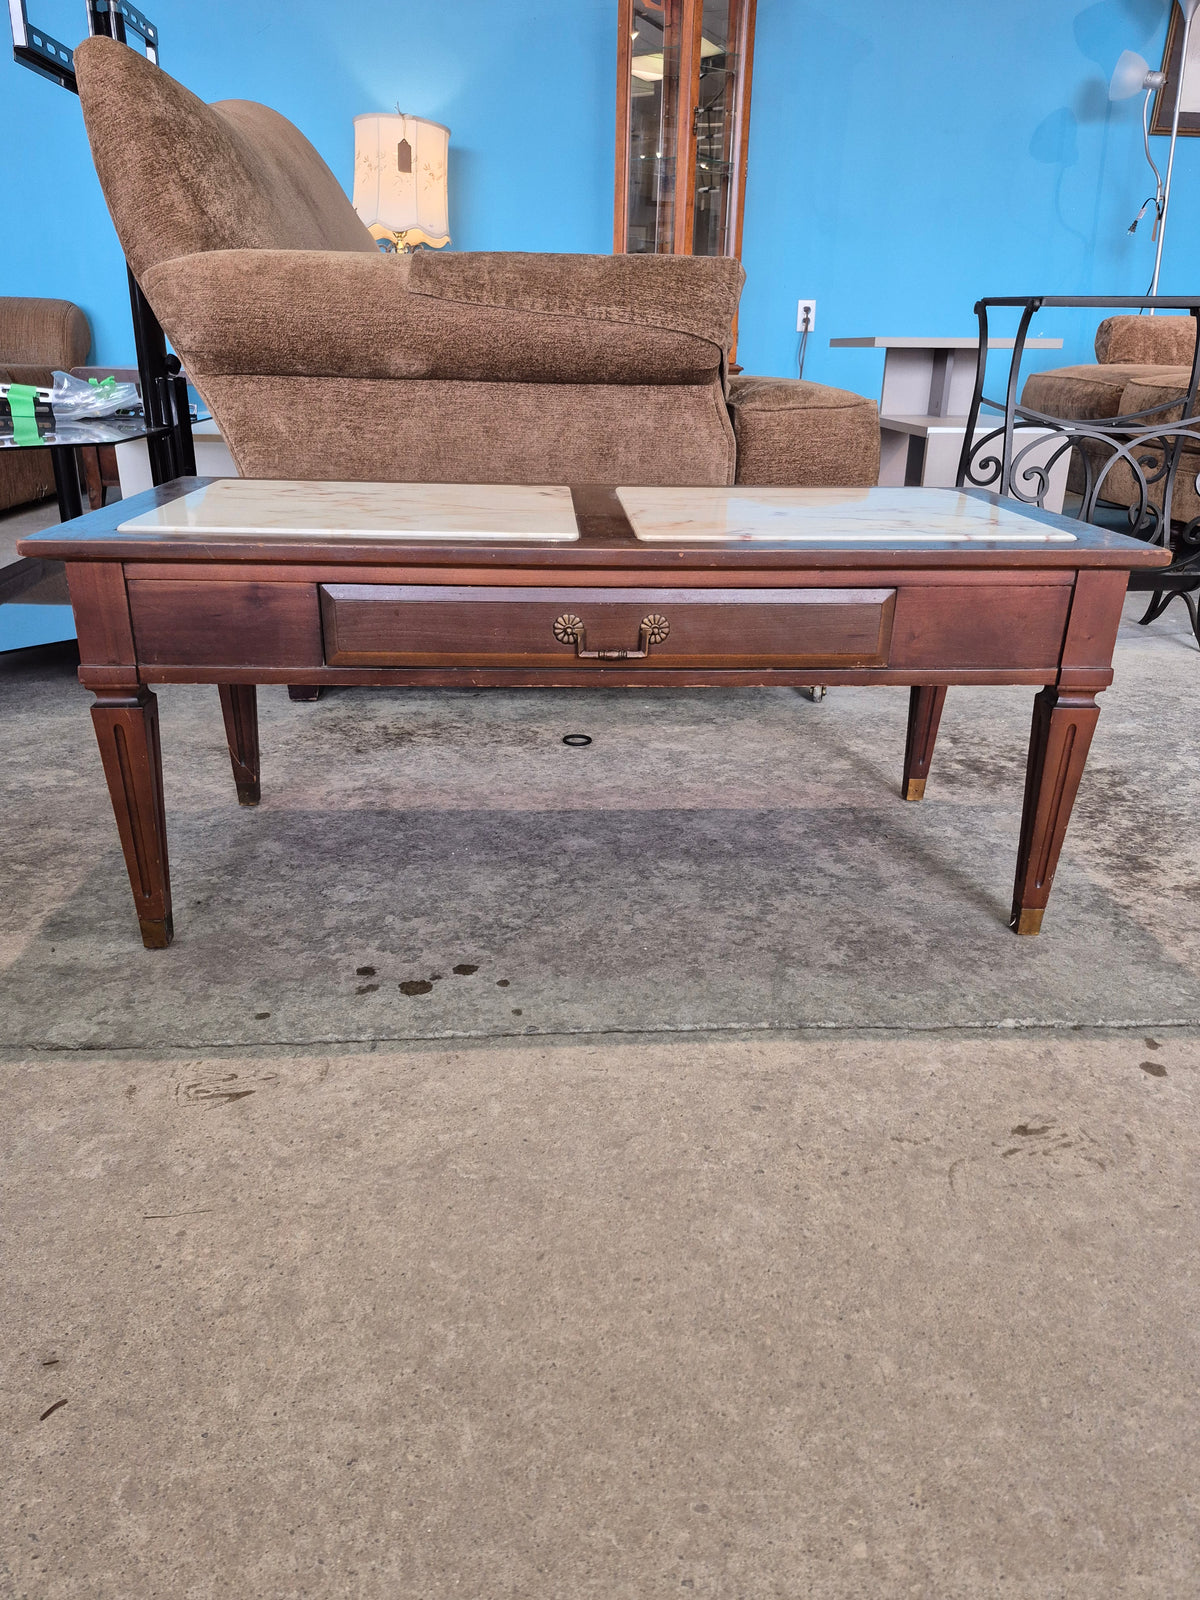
(127,732)
(1063,724)
(924,714)
(239,706)
(304,691)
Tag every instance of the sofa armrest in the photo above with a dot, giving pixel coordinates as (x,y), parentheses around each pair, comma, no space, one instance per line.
(351,314)
(697,295)
(803,435)
(1147,341)
(43,333)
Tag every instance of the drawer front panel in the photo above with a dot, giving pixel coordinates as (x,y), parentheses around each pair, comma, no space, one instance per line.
(992,626)
(411,625)
(225,624)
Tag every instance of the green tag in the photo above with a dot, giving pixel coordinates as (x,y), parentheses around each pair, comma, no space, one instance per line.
(21,400)
(106,383)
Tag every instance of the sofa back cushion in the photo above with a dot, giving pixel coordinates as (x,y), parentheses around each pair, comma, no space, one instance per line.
(181,177)
(1150,341)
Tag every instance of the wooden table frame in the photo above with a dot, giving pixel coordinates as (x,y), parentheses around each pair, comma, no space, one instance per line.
(158,608)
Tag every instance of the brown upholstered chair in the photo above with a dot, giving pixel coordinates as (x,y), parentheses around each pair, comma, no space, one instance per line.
(36,337)
(322,358)
(1141,363)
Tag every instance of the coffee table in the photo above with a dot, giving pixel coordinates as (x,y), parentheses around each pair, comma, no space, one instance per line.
(236,583)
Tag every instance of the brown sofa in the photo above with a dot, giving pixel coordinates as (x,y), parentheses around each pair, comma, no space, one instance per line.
(322,358)
(1141,362)
(36,336)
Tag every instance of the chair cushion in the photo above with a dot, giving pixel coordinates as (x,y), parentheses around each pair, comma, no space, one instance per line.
(1080,392)
(181,177)
(324,313)
(804,435)
(25,475)
(1120,485)
(1151,341)
(44,333)
(25,372)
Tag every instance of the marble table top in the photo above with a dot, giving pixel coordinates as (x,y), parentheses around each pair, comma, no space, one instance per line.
(290,509)
(829,516)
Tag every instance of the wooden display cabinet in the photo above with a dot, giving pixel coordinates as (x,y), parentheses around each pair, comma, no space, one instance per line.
(683,124)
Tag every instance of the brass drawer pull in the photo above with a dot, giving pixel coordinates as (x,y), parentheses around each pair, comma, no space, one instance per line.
(569,629)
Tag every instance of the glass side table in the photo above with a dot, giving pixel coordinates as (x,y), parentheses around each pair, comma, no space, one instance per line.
(24,623)
(63,438)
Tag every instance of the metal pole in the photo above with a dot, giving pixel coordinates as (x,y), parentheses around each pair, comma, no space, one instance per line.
(1188,8)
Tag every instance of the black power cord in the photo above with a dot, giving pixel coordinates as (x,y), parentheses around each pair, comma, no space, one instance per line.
(805,327)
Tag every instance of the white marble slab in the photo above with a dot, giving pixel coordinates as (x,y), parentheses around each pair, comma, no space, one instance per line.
(828,516)
(290,509)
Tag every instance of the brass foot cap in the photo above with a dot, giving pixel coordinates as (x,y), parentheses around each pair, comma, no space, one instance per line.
(156,935)
(1029,919)
(914,789)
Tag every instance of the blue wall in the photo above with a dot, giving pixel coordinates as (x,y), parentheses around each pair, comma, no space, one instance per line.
(904,159)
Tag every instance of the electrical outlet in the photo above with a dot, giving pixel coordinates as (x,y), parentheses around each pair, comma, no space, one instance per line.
(809,307)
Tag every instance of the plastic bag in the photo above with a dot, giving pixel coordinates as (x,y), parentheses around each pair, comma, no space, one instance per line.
(76,398)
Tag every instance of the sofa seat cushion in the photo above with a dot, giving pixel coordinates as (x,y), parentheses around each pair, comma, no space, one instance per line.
(430,431)
(804,435)
(351,315)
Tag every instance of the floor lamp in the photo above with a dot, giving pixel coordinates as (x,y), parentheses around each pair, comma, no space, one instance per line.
(1132,74)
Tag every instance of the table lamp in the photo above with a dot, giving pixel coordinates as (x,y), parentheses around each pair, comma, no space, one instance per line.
(400,180)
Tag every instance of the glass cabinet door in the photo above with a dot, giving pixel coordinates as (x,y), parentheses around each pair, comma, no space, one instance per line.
(683,112)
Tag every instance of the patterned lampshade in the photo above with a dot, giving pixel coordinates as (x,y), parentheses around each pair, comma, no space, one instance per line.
(400,179)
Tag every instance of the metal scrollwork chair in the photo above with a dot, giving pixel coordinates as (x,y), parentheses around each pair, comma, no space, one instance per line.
(1126,470)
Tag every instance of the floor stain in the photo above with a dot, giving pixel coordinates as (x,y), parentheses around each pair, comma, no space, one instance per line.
(163,1216)
(415,986)
(464,969)
(1154,1069)
(366,988)
(1028,1132)
(221,1090)
(364,972)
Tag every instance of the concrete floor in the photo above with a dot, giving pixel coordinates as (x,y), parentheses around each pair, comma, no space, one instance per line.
(758,1217)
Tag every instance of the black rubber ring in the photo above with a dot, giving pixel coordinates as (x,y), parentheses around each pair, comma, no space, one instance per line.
(576,740)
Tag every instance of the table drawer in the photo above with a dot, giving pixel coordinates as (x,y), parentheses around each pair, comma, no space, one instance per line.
(428,625)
